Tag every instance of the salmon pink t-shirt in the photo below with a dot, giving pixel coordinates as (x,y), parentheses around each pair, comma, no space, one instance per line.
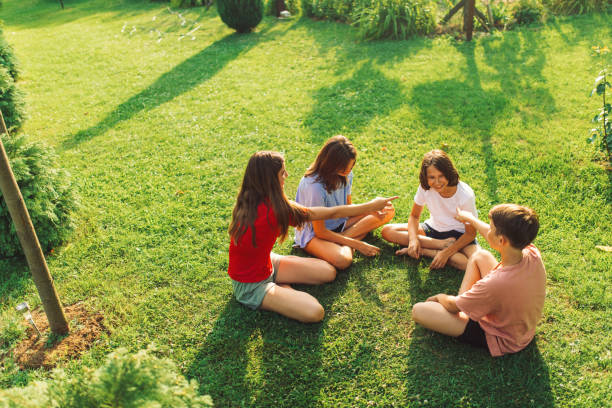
(508,303)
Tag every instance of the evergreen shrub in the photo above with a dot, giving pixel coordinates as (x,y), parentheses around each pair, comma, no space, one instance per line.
(241,15)
(124,380)
(527,12)
(48,192)
(11,98)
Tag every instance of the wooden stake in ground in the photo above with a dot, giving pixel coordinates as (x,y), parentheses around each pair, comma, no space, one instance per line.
(469,12)
(29,242)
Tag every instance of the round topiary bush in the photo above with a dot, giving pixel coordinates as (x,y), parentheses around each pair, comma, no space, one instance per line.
(48,193)
(241,15)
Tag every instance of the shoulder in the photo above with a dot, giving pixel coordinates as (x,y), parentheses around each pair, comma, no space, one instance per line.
(310,183)
(465,189)
(532,253)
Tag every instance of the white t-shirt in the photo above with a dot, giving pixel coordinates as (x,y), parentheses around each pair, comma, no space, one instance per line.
(443,210)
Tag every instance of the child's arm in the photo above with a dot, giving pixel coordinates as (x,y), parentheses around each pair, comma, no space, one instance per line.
(442,256)
(324,213)
(414,245)
(447,301)
(323,233)
(468,218)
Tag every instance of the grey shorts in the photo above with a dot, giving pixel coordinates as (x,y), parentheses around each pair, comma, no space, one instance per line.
(252,294)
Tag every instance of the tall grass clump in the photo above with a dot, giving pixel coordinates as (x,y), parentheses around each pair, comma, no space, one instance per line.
(527,12)
(394,19)
(124,380)
(577,6)
(241,15)
(48,193)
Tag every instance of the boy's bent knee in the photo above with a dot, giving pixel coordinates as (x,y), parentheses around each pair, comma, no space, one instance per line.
(387,232)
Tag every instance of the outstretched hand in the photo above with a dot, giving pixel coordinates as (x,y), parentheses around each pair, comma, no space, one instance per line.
(379,203)
(463,216)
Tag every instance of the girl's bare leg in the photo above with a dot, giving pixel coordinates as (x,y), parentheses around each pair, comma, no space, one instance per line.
(358,227)
(434,316)
(458,260)
(339,256)
(296,269)
(293,304)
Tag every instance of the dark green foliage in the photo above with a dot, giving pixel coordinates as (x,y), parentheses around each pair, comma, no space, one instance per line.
(241,15)
(125,380)
(188,3)
(527,12)
(395,19)
(603,129)
(293,6)
(377,19)
(7,57)
(577,6)
(48,193)
(11,99)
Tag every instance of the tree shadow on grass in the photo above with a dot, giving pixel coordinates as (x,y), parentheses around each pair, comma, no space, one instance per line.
(349,105)
(259,358)
(182,78)
(15,278)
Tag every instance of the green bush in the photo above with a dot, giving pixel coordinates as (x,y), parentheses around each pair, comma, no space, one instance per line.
(7,57)
(187,3)
(241,15)
(394,19)
(527,12)
(125,380)
(48,193)
(577,6)
(293,6)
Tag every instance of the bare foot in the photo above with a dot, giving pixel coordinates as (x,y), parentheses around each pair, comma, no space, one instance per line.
(448,242)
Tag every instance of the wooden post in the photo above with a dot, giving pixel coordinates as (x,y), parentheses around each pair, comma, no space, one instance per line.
(468,18)
(29,242)
(62,3)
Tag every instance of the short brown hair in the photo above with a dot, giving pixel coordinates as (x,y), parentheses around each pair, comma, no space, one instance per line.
(442,162)
(333,157)
(517,223)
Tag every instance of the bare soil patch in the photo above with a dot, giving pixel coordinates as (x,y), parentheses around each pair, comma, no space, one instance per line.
(47,351)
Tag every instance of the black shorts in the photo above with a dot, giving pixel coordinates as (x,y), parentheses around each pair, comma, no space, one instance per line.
(474,335)
(432,233)
(339,228)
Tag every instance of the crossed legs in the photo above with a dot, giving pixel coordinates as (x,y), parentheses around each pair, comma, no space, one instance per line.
(398,234)
(341,256)
(283,299)
(434,316)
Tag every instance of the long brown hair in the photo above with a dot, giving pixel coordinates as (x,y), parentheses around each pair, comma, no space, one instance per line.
(260,183)
(334,156)
(440,160)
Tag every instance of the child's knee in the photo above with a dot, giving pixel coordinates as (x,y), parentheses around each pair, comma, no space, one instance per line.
(342,260)
(314,314)
(387,231)
(328,273)
(417,312)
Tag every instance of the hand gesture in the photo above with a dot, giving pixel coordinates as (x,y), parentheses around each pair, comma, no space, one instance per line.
(367,249)
(383,213)
(413,250)
(463,216)
(439,260)
(379,203)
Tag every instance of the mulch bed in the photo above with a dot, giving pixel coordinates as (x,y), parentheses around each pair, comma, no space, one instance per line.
(35,352)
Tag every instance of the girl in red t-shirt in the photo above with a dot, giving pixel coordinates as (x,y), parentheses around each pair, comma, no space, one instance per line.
(262,214)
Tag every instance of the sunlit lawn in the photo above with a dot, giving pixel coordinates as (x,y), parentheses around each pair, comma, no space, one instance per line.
(157,135)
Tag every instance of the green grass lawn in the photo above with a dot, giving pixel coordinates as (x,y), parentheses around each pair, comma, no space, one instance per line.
(157,136)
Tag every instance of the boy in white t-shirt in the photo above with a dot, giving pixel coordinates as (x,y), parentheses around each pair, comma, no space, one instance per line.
(440,237)
(499,303)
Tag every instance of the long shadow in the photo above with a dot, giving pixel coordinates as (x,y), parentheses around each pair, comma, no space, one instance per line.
(182,78)
(351,104)
(263,359)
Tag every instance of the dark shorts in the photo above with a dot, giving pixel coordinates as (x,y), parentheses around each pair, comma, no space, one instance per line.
(339,228)
(474,335)
(432,233)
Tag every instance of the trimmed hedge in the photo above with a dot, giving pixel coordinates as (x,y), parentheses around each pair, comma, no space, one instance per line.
(241,15)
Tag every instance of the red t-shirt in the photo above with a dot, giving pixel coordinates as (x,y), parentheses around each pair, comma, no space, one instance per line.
(508,303)
(250,264)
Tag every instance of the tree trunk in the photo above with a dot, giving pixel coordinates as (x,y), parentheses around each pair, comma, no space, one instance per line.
(468,18)
(29,242)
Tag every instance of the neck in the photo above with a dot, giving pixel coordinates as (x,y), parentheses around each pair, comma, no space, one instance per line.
(511,256)
(448,191)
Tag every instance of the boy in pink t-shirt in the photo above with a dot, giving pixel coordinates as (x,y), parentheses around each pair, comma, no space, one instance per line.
(499,304)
